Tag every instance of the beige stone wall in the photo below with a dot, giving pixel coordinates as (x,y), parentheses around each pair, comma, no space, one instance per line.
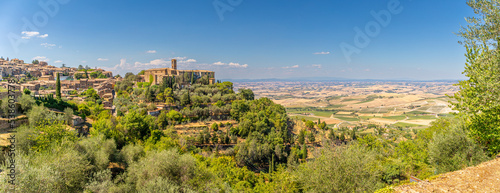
(5,125)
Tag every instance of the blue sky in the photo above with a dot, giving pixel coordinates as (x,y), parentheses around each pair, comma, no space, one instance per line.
(243,39)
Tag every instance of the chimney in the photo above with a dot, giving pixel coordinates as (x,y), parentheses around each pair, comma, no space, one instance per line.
(174,64)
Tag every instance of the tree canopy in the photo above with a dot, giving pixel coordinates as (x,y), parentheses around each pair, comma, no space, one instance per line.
(478,100)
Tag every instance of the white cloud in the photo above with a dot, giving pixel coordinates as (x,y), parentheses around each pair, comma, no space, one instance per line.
(151,52)
(189,60)
(316,65)
(231,64)
(84,61)
(41,58)
(158,62)
(102,59)
(321,53)
(58,61)
(237,65)
(180,58)
(123,64)
(367,70)
(164,62)
(153,63)
(47,45)
(124,67)
(287,67)
(30,34)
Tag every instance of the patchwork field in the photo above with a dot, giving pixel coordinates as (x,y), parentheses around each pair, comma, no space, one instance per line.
(399,104)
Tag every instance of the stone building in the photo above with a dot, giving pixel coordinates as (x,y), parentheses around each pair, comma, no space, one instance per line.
(46,78)
(157,74)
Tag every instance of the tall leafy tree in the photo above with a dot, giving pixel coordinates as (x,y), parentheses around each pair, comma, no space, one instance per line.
(478,100)
(246,94)
(68,115)
(169,96)
(185,99)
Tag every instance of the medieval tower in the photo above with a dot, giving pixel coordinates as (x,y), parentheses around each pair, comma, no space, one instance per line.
(174,64)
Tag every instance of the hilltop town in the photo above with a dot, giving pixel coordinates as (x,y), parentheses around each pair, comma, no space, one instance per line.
(40,78)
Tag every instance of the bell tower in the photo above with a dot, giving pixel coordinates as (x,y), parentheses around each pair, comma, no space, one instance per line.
(174,64)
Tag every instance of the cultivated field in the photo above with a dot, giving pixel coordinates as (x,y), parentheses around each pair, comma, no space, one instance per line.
(401,104)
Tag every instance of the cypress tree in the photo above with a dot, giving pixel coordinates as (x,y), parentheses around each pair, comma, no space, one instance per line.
(192,78)
(58,87)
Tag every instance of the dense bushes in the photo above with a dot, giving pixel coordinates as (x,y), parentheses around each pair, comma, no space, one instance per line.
(342,169)
(51,102)
(60,170)
(177,171)
(41,115)
(98,151)
(136,152)
(265,125)
(260,116)
(452,150)
(152,160)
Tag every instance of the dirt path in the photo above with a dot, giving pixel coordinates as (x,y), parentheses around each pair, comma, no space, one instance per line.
(482,178)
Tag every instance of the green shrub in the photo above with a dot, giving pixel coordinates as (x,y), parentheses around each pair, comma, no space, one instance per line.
(98,151)
(62,169)
(100,182)
(452,150)
(131,153)
(341,169)
(164,166)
